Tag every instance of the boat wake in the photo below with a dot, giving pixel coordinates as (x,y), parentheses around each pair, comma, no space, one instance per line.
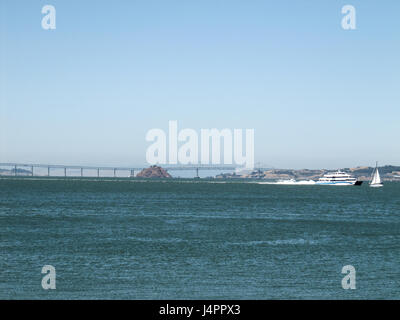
(291,182)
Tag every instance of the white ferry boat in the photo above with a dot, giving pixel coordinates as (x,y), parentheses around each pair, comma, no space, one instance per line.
(338,178)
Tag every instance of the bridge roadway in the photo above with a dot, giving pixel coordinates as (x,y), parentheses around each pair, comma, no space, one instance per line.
(197,168)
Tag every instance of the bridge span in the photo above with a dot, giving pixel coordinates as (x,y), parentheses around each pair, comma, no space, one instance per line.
(28,169)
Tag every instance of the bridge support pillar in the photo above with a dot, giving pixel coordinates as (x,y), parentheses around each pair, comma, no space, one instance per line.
(98,173)
(81,172)
(32,171)
(65,171)
(48,171)
(15,170)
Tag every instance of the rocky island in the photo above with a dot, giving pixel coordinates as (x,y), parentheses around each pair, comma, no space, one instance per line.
(154,172)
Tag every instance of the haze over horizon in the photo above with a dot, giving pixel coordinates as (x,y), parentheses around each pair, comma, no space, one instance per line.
(87,93)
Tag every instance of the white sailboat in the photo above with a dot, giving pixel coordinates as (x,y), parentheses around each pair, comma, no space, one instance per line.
(376,178)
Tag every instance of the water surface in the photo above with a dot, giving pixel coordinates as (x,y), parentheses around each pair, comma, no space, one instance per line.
(187,239)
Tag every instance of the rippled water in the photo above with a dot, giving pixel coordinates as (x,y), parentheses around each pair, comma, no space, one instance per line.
(130,239)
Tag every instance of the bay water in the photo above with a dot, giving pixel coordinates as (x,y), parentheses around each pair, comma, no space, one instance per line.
(197,239)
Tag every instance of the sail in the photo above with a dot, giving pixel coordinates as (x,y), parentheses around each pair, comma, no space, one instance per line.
(376,179)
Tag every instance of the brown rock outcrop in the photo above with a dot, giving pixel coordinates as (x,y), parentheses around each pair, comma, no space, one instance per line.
(154,172)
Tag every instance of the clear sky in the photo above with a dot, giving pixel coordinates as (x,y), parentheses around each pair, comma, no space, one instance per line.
(86,93)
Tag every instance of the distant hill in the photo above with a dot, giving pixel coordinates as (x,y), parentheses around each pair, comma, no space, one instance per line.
(22,172)
(388,173)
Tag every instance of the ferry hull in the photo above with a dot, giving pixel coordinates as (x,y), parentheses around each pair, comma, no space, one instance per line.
(338,183)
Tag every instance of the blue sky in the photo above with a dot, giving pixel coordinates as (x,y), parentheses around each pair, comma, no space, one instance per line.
(86,93)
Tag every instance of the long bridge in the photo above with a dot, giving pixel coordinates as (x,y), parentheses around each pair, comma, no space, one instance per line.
(14,167)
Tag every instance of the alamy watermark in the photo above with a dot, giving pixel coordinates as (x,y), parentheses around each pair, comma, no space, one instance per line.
(349,20)
(49,20)
(349,281)
(185,147)
(49,280)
